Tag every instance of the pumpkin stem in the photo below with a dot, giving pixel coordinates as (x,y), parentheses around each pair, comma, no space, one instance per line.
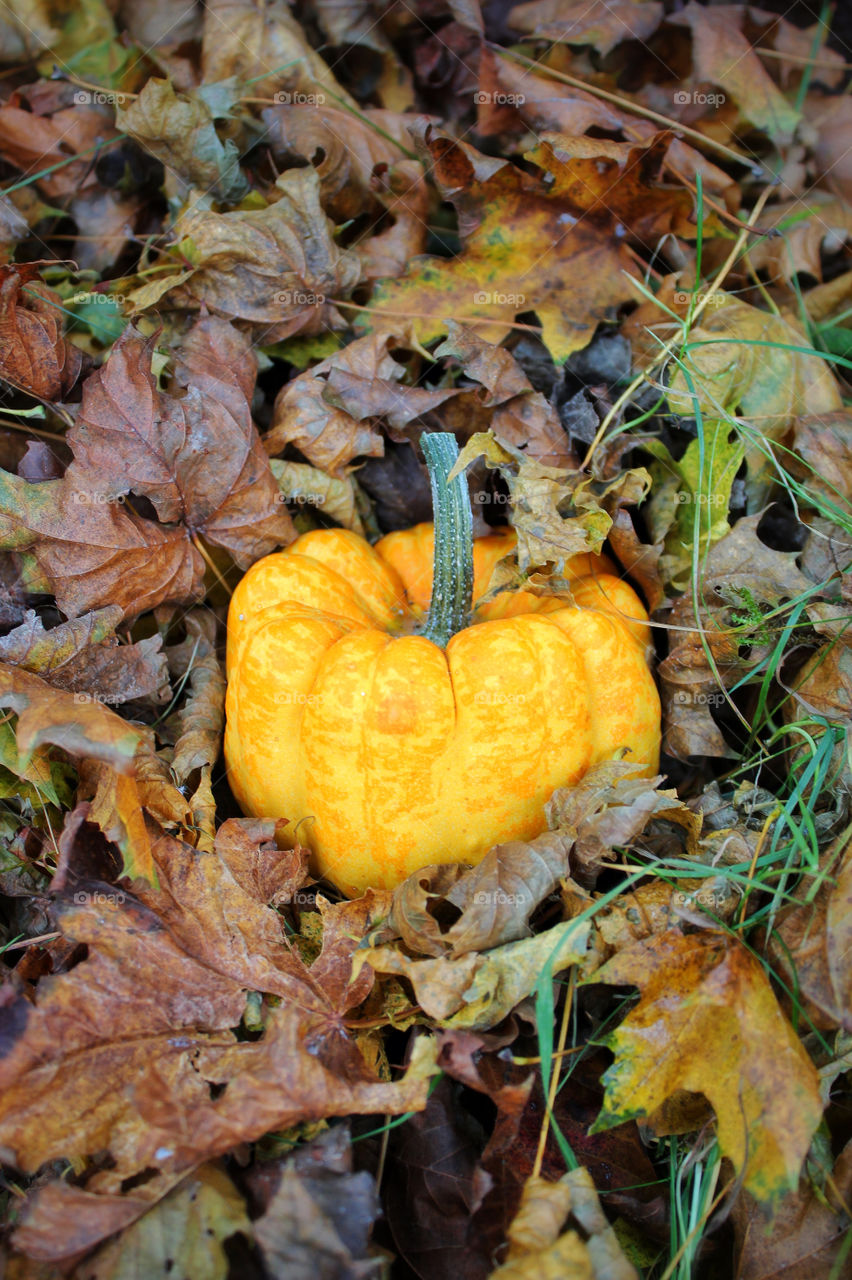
(452,577)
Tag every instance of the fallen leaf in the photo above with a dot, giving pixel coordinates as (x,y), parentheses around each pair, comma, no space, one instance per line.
(85,657)
(301,484)
(318,1220)
(601,23)
(96,553)
(803,1237)
(478,990)
(185,1233)
(708,1022)
(198,459)
(503,217)
(722,55)
(264,47)
(560,1229)
(277,267)
(36,358)
(180,130)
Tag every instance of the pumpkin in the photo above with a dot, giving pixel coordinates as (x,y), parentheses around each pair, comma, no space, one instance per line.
(392,738)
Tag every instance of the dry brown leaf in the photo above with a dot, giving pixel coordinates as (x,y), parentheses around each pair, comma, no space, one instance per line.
(179,130)
(94,553)
(803,1238)
(722,55)
(34,356)
(345,147)
(40,142)
(813,946)
(601,23)
(278,267)
(198,459)
(267,874)
(264,46)
(201,720)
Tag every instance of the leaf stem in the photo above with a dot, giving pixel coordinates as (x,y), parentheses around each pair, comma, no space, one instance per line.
(452,578)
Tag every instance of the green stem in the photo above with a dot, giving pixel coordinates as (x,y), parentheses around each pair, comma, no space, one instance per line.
(452,578)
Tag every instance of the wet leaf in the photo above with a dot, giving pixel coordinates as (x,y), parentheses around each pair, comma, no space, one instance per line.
(709,1023)
(504,215)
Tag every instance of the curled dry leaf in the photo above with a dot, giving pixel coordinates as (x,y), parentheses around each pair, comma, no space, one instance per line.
(477,991)
(556,514)
(708,1022)
(201,720)
(346,148)
(300,483)
(198,459)
(264,47)
(560,1229)
(179,129)
(328,436)
(34,355)
(278,267)
(601,24)
(84,656)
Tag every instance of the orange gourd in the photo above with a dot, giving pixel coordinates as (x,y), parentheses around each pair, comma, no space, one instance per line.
(393,741)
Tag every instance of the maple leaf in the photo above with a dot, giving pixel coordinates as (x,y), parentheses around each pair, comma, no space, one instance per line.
(198,459)
(95,553)
(505,217)
(709,1023)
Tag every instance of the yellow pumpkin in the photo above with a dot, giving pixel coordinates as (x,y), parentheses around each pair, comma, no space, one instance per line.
(389,750)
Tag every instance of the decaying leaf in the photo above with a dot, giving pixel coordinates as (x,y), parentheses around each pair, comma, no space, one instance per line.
(34,354)
(478,990)
(708,1022)
(544,1239)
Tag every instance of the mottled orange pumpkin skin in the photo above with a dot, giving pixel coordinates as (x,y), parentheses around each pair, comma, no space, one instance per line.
(388,753)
